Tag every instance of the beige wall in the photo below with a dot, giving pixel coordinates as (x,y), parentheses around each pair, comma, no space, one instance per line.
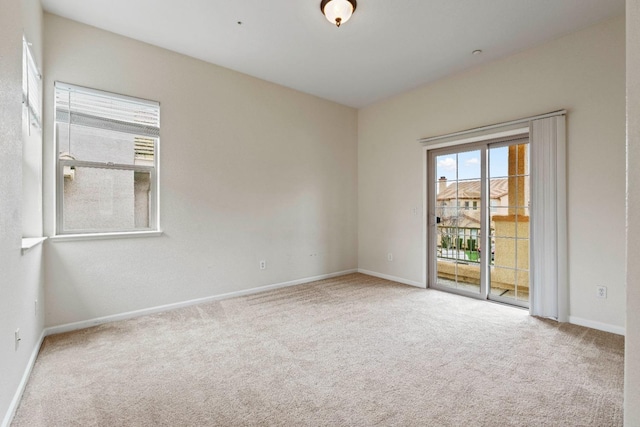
(632,341)
(583,72)
(21,276)
(249,171)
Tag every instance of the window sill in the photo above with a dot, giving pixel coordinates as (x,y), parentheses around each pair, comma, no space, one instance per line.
(31,242)
(102,236)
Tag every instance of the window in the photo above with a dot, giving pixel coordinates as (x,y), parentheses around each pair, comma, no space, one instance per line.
(31,144)
(31,89)
(475,205)
(106,175)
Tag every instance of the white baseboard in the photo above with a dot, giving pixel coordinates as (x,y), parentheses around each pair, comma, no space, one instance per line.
(11,411)
(392,278)
(145,311)
(619,330)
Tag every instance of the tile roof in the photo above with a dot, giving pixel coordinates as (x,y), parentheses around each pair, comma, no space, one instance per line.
(471,189)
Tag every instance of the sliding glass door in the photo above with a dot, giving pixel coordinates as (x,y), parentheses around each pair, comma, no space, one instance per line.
(478,203)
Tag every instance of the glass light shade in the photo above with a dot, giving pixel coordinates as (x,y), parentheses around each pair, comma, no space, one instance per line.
(338,11)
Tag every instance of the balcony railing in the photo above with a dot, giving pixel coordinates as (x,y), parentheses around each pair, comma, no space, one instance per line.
(459,243)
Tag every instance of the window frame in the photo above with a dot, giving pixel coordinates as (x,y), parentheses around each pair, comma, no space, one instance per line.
(154,178)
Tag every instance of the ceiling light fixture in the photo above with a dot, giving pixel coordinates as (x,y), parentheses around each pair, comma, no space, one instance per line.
(338,11)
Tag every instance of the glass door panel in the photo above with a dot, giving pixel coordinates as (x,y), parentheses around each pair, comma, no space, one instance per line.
(509,223)
(458,216)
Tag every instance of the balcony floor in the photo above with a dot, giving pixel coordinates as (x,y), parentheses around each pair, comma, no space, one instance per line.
(522,294)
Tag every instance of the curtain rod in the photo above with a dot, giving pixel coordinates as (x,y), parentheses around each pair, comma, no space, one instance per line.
(497,125)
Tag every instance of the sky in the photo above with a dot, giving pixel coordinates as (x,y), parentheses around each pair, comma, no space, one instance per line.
(467,165)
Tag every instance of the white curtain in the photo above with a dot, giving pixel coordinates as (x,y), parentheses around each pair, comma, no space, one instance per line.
(549,281)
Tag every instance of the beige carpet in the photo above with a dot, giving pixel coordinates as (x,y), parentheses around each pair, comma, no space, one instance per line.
(354,350)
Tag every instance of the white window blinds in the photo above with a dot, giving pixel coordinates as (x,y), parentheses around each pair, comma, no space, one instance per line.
(80,106)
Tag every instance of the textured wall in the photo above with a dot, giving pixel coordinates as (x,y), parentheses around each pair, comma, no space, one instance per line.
(632,342)
(21,276)
(583,72)
(249,171)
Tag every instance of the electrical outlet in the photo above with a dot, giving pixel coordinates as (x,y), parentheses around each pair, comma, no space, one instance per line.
(263,265)
(389,256)
(601,291)
(17,337)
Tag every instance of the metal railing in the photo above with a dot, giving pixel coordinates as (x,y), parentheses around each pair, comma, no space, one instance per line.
(459,243)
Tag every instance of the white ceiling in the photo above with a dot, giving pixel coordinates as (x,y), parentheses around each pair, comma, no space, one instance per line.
(388,46)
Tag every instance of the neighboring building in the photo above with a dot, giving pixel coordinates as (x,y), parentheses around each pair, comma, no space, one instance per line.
(97,199)
(465,195)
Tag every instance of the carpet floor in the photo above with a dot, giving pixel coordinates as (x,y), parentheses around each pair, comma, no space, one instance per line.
(353,350)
